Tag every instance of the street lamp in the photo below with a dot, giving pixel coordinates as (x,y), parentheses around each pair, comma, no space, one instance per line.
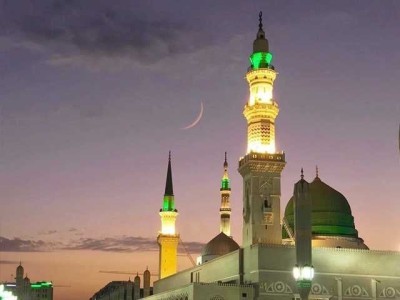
(303,271)
(303,274)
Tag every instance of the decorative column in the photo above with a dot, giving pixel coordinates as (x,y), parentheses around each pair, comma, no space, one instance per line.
(373,288)
(339,288)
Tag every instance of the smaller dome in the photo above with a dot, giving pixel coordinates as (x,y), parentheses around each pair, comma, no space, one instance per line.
(220,245)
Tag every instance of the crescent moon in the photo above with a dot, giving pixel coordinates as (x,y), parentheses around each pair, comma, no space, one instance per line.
(197,119)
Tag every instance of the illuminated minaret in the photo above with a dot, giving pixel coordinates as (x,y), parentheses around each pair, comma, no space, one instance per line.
(168,238)
(262,165)
(225,210)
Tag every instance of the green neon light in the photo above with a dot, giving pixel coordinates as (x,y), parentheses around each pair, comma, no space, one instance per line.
(260,60)
(168,203)
(304,283)
(41,285)
(225,184)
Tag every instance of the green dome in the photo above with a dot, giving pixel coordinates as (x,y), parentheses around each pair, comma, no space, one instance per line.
(331,213)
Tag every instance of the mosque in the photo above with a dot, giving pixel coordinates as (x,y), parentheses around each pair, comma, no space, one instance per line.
(262,267)
(340,265)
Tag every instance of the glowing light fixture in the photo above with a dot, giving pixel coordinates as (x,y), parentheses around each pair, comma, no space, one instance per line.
(6,295)
(303,275)
(225,184)
(168,203)
(260,59)
(296,272)
(40,285)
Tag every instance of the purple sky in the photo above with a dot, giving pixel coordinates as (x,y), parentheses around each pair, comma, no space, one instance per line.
(94,94)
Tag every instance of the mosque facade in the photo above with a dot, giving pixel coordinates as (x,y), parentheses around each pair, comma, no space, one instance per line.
(126,290)
(262,267)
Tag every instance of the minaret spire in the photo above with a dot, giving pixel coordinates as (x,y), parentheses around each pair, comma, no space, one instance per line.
(261,46)
(225,209)
(168,238)
(225,162)
(169,199)
(169,191)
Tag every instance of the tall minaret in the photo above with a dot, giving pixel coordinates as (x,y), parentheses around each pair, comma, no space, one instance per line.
(146,283)
(262,165)
(225,210)
(136,287)
(168,238)
(19,280)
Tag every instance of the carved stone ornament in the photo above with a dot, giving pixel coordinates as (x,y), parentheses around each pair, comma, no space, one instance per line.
(276,287)
(318,289)
(389,292)
(356,291)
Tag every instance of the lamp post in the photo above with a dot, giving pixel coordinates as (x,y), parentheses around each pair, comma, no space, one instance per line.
(303,271)
(303,276)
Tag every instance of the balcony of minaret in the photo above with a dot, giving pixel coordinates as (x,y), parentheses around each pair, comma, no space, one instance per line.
(256,162)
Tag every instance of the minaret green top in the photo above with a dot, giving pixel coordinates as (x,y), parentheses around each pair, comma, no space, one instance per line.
(168,202)
(261,57)
(225,182)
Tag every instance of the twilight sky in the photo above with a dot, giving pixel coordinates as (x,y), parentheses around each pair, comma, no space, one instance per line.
(93,95)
